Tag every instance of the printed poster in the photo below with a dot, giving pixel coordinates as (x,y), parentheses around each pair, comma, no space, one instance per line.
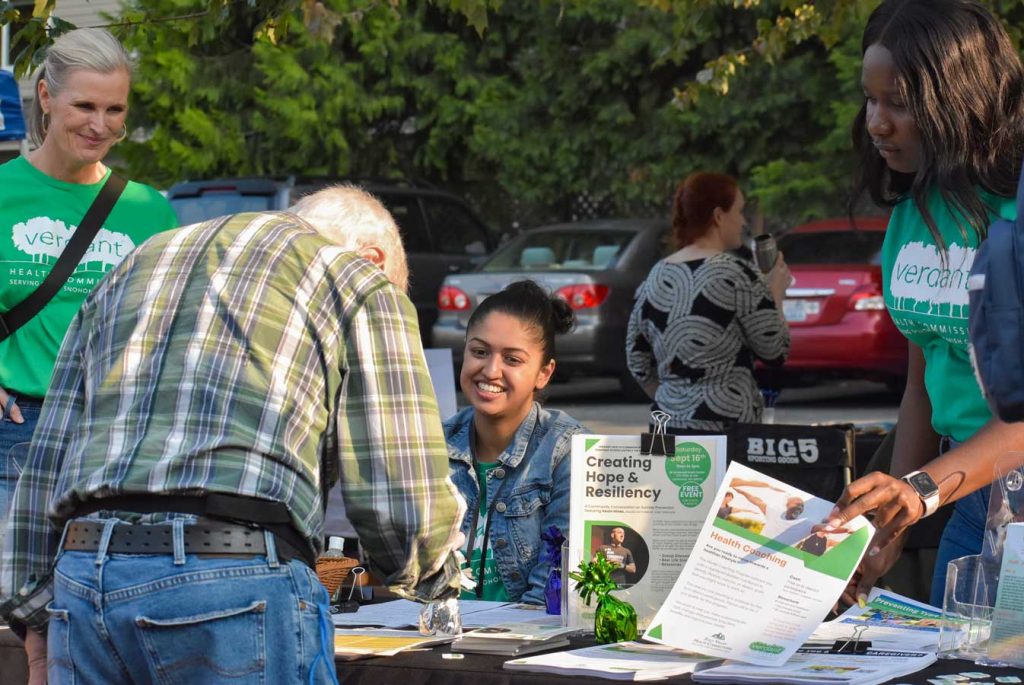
(643,512)
(1006,643)
(764,573)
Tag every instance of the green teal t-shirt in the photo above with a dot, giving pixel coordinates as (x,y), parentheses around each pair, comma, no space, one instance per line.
(928,303)
(38,215)
(494,588)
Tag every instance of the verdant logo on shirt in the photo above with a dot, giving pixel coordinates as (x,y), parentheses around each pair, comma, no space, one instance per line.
(44,239)
(922,282)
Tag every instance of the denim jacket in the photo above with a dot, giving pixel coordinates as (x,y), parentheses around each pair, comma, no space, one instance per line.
(530,491)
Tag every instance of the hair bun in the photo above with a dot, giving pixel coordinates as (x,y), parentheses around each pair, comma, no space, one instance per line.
(563,318)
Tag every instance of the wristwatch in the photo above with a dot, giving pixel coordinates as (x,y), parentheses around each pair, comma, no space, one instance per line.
(926,489)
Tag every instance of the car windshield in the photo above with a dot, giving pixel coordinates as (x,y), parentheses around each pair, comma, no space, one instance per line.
(191,210)
(832,247)
(577,250)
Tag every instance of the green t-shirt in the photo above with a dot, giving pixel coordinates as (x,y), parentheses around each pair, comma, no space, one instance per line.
(928,303)
(38,215)
(494,588)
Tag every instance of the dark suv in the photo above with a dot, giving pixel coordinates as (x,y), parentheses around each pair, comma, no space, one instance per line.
(442,235)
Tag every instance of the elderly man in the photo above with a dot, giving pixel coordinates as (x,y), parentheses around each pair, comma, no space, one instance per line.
(210,391)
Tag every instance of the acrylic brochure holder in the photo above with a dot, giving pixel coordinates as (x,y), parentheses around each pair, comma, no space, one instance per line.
(982,613)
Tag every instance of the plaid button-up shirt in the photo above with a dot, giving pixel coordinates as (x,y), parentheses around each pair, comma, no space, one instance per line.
(243,355)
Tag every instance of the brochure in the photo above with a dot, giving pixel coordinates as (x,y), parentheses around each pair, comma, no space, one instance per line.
(889,621)
(402,613)
(763,575)
(810,666)
(643,512)
(510,613)
(1006,643)
(634,661)
(512,639)
(360,644)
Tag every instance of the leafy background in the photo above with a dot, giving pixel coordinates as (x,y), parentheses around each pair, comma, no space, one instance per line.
(535,111)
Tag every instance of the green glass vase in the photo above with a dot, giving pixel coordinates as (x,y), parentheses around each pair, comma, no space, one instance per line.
(615,620)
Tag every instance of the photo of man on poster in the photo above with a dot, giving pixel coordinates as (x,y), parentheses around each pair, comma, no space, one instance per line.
(619,555)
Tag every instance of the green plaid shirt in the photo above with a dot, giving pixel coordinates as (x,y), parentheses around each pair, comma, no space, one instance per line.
(242,355)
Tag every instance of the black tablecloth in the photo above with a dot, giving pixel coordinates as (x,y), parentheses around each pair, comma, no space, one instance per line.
(430,668)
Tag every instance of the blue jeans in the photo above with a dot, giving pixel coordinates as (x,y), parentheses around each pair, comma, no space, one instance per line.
(962,535)
(12,434)
(187,619)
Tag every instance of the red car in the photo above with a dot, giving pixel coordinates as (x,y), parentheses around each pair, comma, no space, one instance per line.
(837,317)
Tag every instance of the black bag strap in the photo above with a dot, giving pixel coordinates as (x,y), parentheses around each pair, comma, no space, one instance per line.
(21,313)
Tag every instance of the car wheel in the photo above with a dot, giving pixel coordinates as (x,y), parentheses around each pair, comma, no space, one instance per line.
(631,390)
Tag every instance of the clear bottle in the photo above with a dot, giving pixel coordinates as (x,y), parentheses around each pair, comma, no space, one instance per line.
(335,548)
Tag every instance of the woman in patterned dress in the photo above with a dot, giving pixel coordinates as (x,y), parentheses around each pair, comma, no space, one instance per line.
(704,315)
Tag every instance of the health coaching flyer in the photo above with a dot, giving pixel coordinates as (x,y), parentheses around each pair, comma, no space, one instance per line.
(763,574)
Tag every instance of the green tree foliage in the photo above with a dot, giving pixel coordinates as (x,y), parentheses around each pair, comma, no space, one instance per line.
(527,104)
(552,101)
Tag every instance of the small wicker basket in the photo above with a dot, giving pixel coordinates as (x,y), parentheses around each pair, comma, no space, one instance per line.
(334,571)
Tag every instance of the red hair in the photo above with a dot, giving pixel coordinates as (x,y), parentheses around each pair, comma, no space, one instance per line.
(697,197)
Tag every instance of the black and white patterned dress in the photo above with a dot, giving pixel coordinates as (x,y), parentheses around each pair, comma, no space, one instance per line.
(697,327)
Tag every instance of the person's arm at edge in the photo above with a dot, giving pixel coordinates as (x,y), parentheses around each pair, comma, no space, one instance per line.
(555,514)
(394,459)
(759,313)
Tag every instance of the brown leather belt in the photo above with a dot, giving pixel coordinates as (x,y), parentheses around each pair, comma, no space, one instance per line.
(203,537)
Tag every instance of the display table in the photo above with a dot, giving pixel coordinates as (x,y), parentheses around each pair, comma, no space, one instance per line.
(430,668)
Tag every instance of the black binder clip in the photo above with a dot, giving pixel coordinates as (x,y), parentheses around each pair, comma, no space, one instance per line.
(852,645)
(658,443)
(348,606)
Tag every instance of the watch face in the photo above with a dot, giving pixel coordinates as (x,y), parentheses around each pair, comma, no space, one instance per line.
(924,484)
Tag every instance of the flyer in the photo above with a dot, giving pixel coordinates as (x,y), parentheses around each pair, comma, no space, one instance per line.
(643,512)
(635,661)
(889,621)
(1006,643)
(820,667)
(764,573)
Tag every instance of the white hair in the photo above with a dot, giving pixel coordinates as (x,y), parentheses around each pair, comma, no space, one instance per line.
(82,49)
(354,219)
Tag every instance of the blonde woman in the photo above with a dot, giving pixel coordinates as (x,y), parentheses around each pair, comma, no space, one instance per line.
(79,112)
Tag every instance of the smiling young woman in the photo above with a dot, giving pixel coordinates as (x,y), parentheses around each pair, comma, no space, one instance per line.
(78,114)
(508,456)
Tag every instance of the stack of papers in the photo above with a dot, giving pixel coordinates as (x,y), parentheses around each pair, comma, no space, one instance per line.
(360,644)
(513,639)
(888,621)
(820,666)
(633,661)
(402,613)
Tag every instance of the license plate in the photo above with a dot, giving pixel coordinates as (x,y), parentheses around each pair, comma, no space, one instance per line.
(800,310)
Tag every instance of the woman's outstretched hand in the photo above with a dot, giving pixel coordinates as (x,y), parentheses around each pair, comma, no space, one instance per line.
(893,507)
